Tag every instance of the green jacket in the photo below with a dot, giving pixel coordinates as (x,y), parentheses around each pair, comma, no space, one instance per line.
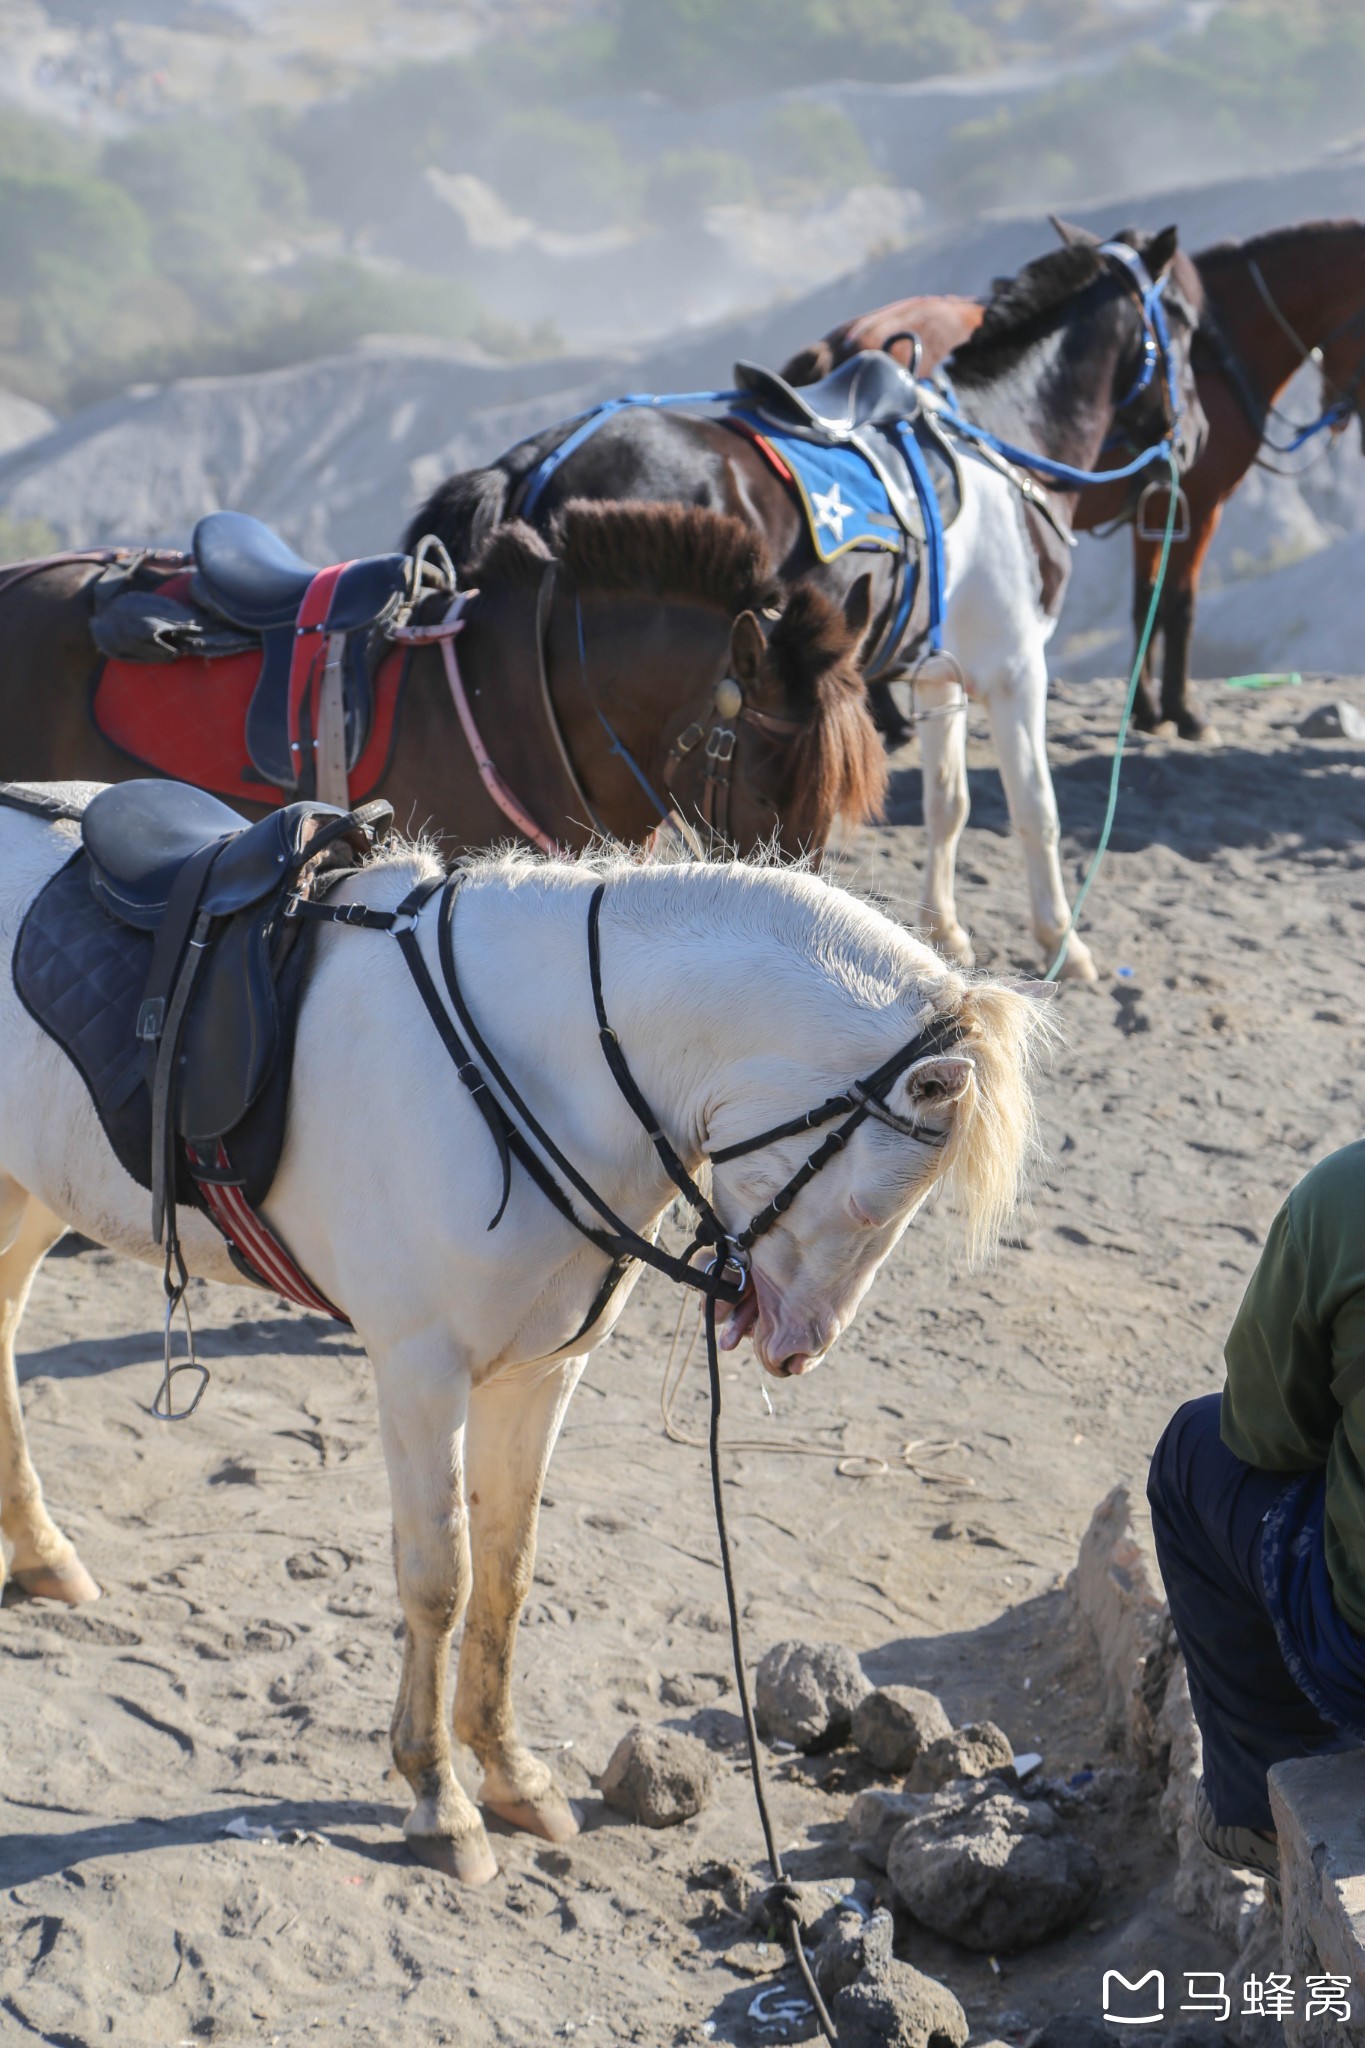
(1295,1394)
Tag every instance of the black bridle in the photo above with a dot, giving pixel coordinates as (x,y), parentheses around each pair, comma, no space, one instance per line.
(716,1261)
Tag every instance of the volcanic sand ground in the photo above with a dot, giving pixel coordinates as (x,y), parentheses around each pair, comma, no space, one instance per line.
(244,1658)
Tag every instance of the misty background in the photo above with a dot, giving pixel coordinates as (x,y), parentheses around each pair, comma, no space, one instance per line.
(305,257)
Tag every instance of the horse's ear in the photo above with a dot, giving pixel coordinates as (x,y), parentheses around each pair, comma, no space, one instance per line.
(1070,236)
(939,1081)
(858,606)
(1161,253)
(747,649)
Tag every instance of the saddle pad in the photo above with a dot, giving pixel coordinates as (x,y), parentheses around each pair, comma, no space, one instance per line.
(843,498)
(187,719)
(81,976)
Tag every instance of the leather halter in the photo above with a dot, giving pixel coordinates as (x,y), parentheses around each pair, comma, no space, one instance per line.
(511,1127)
(721,735)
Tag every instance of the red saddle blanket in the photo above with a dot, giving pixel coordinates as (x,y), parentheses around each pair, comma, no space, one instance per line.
(187,719)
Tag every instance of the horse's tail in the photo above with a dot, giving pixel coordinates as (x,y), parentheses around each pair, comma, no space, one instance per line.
(462,512)
(994,1143)
(810,364)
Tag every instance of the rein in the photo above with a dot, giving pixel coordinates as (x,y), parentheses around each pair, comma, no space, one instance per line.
(716,1261)
(1333,416)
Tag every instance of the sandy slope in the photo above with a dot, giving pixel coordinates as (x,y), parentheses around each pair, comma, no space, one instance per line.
(244,1658)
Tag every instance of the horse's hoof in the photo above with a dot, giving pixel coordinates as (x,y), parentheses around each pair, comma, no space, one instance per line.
(1165,729)
(467,1858)
(70,1582)
(1199,731)
(550,1816)
(1078,966)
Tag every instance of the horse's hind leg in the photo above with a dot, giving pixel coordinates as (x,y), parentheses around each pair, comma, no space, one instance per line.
(1017,704)
(512,1429)
(41,1559)
(941,709)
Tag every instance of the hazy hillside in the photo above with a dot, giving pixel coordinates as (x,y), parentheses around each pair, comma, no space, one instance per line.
(337,453)
(236,186)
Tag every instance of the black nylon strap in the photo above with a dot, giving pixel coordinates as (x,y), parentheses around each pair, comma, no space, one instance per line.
(811,1121)
(618,1239)
(712,1230)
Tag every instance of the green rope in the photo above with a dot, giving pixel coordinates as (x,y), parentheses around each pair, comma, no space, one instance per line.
(1134,679)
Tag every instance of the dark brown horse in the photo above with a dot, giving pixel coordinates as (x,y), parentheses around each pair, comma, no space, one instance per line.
(642,659)
(1271,304)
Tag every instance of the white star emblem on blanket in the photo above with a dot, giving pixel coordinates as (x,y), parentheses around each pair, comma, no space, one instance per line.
(830,510)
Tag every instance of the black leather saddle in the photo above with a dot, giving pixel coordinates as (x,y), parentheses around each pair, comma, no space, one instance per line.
(869,403)
(171,860)
(869,390)
(245,574)
(162,961)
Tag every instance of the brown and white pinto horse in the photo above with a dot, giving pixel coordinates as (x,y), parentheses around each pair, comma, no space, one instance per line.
(1271,304)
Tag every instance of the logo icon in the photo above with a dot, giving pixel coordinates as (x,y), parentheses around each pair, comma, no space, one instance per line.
(1148,2008)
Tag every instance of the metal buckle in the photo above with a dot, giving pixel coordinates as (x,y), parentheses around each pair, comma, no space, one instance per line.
(732,1260)
(150,1018)
(720,744)
(685,741)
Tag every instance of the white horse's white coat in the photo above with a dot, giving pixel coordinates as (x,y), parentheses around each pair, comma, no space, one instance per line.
(741,995)
(996,627)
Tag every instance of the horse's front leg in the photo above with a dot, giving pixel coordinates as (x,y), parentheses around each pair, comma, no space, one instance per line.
(941,717)
(1017,703)
(42,1560)
(422,1406)
(513,1424)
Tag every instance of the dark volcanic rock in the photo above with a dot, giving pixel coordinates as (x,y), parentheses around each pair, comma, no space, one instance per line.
(990,1870)
(658,1777)
(895,1724)
(805,1694)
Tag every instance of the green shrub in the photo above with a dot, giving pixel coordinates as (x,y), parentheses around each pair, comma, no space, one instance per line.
(808,149)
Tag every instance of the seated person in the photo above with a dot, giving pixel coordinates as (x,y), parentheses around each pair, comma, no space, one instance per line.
(1258,1509)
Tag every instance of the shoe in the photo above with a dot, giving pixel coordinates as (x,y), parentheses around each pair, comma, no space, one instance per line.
(1243,1848)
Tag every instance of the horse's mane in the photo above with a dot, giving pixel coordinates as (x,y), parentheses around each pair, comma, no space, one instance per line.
(1023,309)
(667,550)
(838,766)
(1271,240)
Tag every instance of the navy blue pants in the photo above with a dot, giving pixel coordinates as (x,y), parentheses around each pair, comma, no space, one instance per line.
(1208,1513)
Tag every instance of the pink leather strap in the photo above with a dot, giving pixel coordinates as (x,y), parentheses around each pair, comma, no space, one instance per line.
(488,774)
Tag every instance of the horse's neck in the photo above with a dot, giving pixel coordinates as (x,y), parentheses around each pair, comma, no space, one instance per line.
(616,701)
(522,951)
(1316,287)
(1058,399)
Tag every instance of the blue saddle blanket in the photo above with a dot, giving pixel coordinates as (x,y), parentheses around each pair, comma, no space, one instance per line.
(844,499)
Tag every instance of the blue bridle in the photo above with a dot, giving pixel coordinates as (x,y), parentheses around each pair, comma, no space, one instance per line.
(1157,348)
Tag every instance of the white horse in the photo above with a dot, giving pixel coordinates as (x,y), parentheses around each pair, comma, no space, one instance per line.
(740,994)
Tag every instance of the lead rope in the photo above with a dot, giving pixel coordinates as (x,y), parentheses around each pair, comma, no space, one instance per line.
(786,1890)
